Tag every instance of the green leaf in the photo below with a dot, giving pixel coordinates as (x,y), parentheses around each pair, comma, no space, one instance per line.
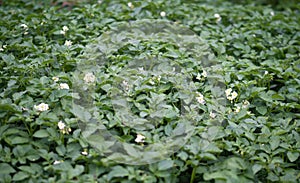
(293,156)
(74,172)
(256,168)
(262,110)
(6,169)
(20,176)
(19,140)
(41,133)
(81,113)
(117,171)
(165,164)
(274,142)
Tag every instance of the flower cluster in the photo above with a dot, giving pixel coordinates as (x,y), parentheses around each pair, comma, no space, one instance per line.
(41,107)
(2,47)
(200,98)
(64,86)
(231,95)
(202,75)
(89,78)
(64,30)
(63,128)
(155,79)
(125,85)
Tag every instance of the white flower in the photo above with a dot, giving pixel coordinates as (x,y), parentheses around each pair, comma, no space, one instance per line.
(130,5)
(198,76)
(204,73)
(24,26)
(56,162)
(139,138)
(1,49)
(99,1)
(272,13)
(125,85)
(55,79)
(68,43)
(158,78)
(212,115)
(89,78)
(246,103)
(62,32)
(218,17)
(200,98)
(41,107)
(266,72)
(238,109)
(61,125)
(230,95)
(84,153)
(151,81)
(64,86)
(141,69)
(234,95)
(65,28)
(228,91)
(163,14)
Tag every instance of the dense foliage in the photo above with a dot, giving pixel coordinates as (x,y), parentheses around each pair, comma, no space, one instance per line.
(257,45)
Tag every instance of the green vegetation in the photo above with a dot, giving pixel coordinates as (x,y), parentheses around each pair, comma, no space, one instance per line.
(254,137)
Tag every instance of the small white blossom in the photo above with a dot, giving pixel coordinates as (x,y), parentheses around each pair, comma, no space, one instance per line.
(218,17)
(130,5)
(99,1)
(55,79)
(228,92)
(41,107)
(151,82)
(163,14)
(237,109)
(200,98)
(24,26)
(139,138)
(1,49)
(198,77)
(204,73)
(125,85)
(61,125)
(89,78)
(64,86)
(158,78)
(62,32)
(246,103)
(234,95)
(230,95)
(84,153)
(141,68)
(65,28)
(212,115)
(266,72)
(68,43)
(56,162)
(272,13)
